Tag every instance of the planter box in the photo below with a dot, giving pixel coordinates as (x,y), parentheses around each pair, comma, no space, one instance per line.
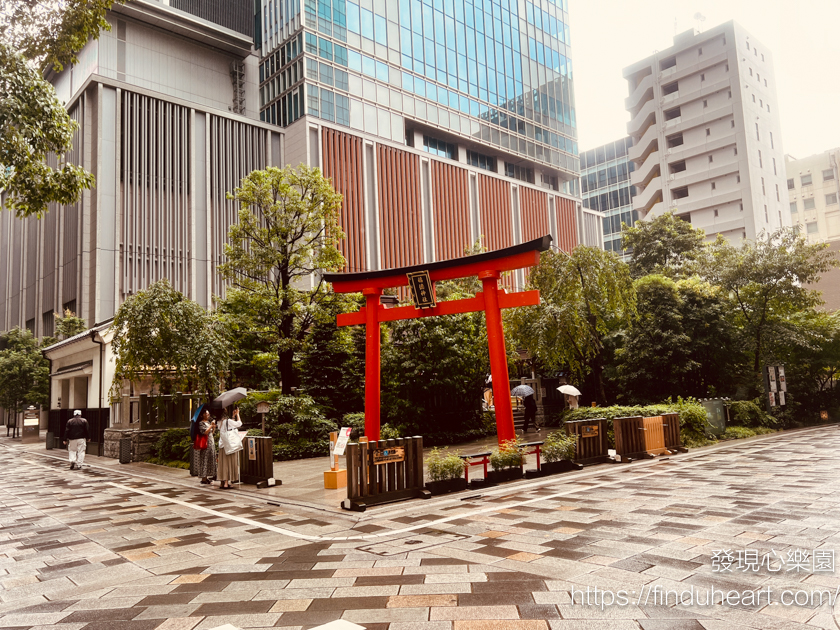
(480,484)
(564,465)
(506,474)
(445,487)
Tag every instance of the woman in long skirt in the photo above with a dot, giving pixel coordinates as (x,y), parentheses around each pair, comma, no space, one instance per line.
(205,460)
(228,464)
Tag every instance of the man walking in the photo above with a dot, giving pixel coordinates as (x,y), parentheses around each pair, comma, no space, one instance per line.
(77,436)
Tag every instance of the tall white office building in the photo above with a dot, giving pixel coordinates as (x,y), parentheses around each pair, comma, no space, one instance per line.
(706,137)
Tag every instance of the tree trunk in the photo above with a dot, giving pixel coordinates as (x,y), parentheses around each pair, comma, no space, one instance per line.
(285,364)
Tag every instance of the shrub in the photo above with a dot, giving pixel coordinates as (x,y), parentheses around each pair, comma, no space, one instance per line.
(299,428)
(738,433)
(559,445)
(172,464)
(173,445)
(746,413)
(507,455)
(444,465)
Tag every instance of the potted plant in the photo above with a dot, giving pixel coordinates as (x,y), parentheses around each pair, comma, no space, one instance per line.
(506,462)
(446,471)
(558,453)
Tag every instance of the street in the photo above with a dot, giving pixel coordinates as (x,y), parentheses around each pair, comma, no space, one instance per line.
(739,535)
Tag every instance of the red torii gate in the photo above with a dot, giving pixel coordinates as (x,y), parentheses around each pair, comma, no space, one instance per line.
(488,267)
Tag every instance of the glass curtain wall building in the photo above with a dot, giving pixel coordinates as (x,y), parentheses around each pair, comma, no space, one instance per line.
(497,73)
(605,187)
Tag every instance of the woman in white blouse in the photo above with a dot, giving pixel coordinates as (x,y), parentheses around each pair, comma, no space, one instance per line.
(228,468)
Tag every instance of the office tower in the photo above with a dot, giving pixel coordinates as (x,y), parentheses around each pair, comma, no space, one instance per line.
(605,187)
(814,188)
(705,130)
(440,122)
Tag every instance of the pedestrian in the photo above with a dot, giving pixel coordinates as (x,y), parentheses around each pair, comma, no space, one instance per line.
(530,412)
(76,437)
(228,463)
(205,459)
(572,401)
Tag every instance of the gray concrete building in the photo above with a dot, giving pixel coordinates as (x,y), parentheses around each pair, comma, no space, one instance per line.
(706,137)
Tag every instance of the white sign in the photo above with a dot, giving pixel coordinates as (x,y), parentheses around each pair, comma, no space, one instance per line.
(343,438)
(782,382)
(771,372)
(772,399)
(781,398)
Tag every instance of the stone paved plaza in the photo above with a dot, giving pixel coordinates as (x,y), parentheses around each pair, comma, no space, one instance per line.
(755,521)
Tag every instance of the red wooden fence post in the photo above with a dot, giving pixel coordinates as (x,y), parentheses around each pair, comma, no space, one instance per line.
(372,363)
(498,356)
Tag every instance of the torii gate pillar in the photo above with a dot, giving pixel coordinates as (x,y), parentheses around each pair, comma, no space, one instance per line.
(498,356)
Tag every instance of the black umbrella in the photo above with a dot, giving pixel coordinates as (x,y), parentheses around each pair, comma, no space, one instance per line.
(228,398)
(522,391)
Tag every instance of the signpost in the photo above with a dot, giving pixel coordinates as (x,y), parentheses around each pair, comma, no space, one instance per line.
(31,424)
(335,477)
(775,386)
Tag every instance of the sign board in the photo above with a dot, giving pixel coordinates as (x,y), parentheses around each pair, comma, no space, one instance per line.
(589,430)
(772,398)
(31,422)
(781,399)
(388,455)
(251,445)
(771,374)
(782,383)
(343,438)
(263,407)
(422,289)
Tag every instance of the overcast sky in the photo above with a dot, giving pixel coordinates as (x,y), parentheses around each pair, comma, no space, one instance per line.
(804,36)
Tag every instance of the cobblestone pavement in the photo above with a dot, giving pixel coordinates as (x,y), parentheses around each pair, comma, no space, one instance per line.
(102,549)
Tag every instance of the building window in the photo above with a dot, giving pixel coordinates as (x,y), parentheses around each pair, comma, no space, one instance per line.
(730,93)
(737,179)
(708,131)
(812,228)
(748,45)
(805,180)
(793,208)
(828,174)
(757,133)
(765,82)
(440,147)
(790,184)
(711,158)
(751,72)
(680,193)
(522,173)
(735,151)
(778,196)
(766,215)
(762,56)
(808,204)
(671,88)
(758,77)
(727,67)
(741,206)
(760,161)
(753,96)
(716,213)
(831,200)
(774,167)
(714,185)
(771,141)
(480,160)
(732,124)
(699,51)
(702,77)
(705,103)
(763,191)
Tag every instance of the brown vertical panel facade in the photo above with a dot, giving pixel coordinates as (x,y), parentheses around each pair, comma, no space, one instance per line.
(451,210)
(494,201)
(566,224)
(400,221)
(534,213)
(343,162)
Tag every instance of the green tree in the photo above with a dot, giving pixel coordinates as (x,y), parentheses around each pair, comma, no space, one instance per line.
(767,280)
(162,335)
(679,344)
(35,36)
(68,325)
(24,372)
(287,234)
(662,246)
(584,297)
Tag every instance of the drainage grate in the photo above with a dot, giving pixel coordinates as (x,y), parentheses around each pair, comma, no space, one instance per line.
(416,541)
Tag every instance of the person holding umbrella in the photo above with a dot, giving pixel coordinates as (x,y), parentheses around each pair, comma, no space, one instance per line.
(527,395)
(571,393)
(204,450)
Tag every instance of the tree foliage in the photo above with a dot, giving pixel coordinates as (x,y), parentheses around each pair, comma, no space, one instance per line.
(68,325)
(584,297)
(287,235)
(680,343)
(662,246)
(767,280)
(162,335)
(24,372)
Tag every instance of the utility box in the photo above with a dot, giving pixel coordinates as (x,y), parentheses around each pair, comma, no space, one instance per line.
(715,415)
(31,426)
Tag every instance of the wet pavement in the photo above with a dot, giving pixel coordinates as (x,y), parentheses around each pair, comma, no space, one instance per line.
(733,536)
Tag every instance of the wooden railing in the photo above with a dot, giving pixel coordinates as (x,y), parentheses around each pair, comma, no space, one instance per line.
(384,471)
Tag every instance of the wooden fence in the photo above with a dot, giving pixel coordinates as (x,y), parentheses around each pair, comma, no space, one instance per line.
(637,437)
(384,471)
(671,425)
(592,440)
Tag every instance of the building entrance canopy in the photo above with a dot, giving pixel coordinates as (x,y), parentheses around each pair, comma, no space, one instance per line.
(489,268)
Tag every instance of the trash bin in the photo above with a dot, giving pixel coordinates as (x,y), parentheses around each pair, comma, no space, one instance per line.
(715,415)
(257,460)
(125,450)
(50,440)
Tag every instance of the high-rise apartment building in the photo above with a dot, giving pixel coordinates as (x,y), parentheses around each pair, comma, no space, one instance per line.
(705,130)
(605,187)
